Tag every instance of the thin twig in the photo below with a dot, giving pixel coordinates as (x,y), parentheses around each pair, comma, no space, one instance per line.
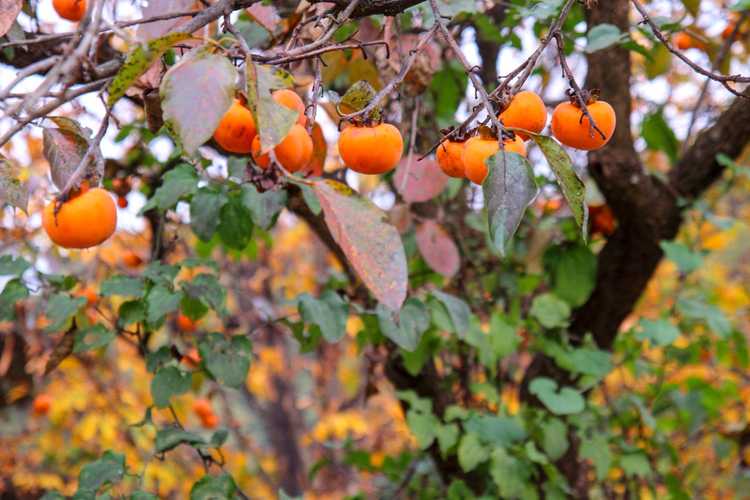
(385,91)
(312,109)
(723,79)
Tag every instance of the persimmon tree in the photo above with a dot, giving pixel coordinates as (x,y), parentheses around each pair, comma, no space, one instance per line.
(472,278)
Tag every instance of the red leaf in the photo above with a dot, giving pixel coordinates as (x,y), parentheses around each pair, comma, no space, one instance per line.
(419,181)
(149,31)
(265,15)
(371,244)
(438,248)
(9,10)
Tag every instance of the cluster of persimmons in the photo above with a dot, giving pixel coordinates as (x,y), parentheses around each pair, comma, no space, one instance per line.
(465,157)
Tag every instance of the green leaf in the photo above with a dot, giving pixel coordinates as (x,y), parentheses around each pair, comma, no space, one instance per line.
(458,311)
(219,437)
(328,314)
(158,358)
(200,74)
(121,285)
(13,292)
(13,266)
(133,311)
(161,274)
(509,473)
(659,332)
(591,361)
(138,61)
(503,337)
(413,321)
(686,259)
(567,401)
(554,438)
(496,430)
(570,183)
(471,452)
(171,437)
(602,36)
(226,360)
(311,199)
(273,120)
(93,337)
(451,8)
(205,208)
(447,437)
(572,269)
(61,308)
(13,190)
(161,301)
(659,135)
(550,311)
(109,469)
(508,190)
(635,464)
(357,97)
(176,183)
(264,207)
(423,426)
(142,495)
(712,316)
(597,450)
(207,289)
(372,245)
(660,61)
(694,6)
(214,488)
(235,224)
(169,381)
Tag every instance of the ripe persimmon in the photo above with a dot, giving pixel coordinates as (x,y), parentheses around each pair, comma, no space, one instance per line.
(290,99)
(684,40)
(186,324)
(210,421)
(293,153)
(450,158)
(87,219)
(192,358)
(41,405)
(479,148)
(573,129)
(72,10)
(131,259)
(371,149)
(602,220)
(122,202)
(236,129)
(527,111)
(202,408)
(89,293)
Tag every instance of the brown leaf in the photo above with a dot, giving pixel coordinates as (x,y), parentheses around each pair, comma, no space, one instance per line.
(372,245)
(320,151)
(400,217)
(199,73)
(438,248)
(13,191)
(64,151)
(9,10)
(265,15)
(62,350)
(149,31)
(419,181)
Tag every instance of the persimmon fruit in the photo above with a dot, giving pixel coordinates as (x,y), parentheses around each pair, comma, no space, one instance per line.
(573,129)
(236,129)
(131,259)
(290,99)
(371,150)
(41,404)
(202,407)
(210,421)
(293,153)
(527,111)
(479,148)
(85,220)
(602,220)
(72,10)
(450,158)
(89,293)
(122,202)
(186,324)
(192,358)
